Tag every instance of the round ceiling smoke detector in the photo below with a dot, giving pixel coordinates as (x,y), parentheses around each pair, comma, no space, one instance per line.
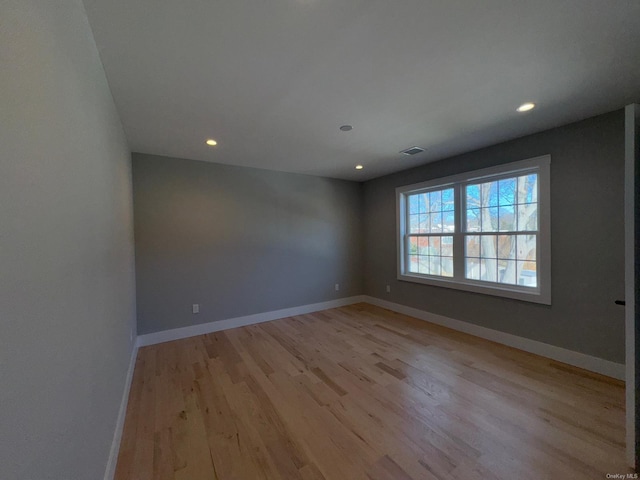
(346,128)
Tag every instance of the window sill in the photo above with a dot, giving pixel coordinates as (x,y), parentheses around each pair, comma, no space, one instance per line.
(505,291)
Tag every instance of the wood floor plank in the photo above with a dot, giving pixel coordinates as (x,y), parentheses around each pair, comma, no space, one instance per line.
(360,392)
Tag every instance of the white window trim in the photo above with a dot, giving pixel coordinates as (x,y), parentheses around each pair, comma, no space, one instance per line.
(541,294)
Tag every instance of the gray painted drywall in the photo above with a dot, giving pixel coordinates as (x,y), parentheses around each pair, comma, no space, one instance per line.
(587,243)
(67,301)
(239,241)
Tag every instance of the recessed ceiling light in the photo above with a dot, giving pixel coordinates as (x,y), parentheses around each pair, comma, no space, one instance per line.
(525,107)
(346,128)
(359,167)
(211,142)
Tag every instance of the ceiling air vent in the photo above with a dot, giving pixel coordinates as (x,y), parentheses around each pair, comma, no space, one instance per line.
(412,150)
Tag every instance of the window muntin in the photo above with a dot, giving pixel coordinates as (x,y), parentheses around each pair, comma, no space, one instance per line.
(485,231)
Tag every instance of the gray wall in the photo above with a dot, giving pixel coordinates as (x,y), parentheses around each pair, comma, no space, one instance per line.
(587,180)
(66,247)
(239,241)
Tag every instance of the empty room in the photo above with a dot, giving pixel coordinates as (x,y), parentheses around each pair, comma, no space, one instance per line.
(319,239)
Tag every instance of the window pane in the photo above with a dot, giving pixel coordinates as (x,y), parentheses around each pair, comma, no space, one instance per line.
(473,220)
(425,255)
(423,264)
(434,246)
(488,246)
(413,264)
(488,269)
(528,188)
(413,245)
(473,196)
(413,204)
(422,202)
(527,274)
(489,194)
(489,219)
(506,191)
(434,265)
(472,270)
(528,216)
(447,200)
(472,246)
(423,226)
(507,247)
(526,247)
(507,271)
(447,246)
(448,222)
(436,222)
(423,245)
(447,266)
(414,223)
(507,218)
(435,201)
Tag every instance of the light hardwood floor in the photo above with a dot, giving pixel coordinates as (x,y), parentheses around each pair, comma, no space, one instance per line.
(360,392)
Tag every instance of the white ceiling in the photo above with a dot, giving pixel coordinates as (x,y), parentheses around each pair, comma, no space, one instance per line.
(273,80)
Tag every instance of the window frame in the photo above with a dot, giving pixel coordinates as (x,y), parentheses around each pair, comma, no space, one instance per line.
(539,294)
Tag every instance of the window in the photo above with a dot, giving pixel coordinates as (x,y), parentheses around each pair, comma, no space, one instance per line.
(485,231)
(431,225)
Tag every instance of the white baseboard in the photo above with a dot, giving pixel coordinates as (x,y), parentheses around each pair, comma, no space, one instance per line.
(577,359)
(117,434)
(193,330)
(588,362)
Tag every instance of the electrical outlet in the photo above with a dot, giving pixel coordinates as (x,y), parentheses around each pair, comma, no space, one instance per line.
(388,288)
(337,287)
(195,308)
